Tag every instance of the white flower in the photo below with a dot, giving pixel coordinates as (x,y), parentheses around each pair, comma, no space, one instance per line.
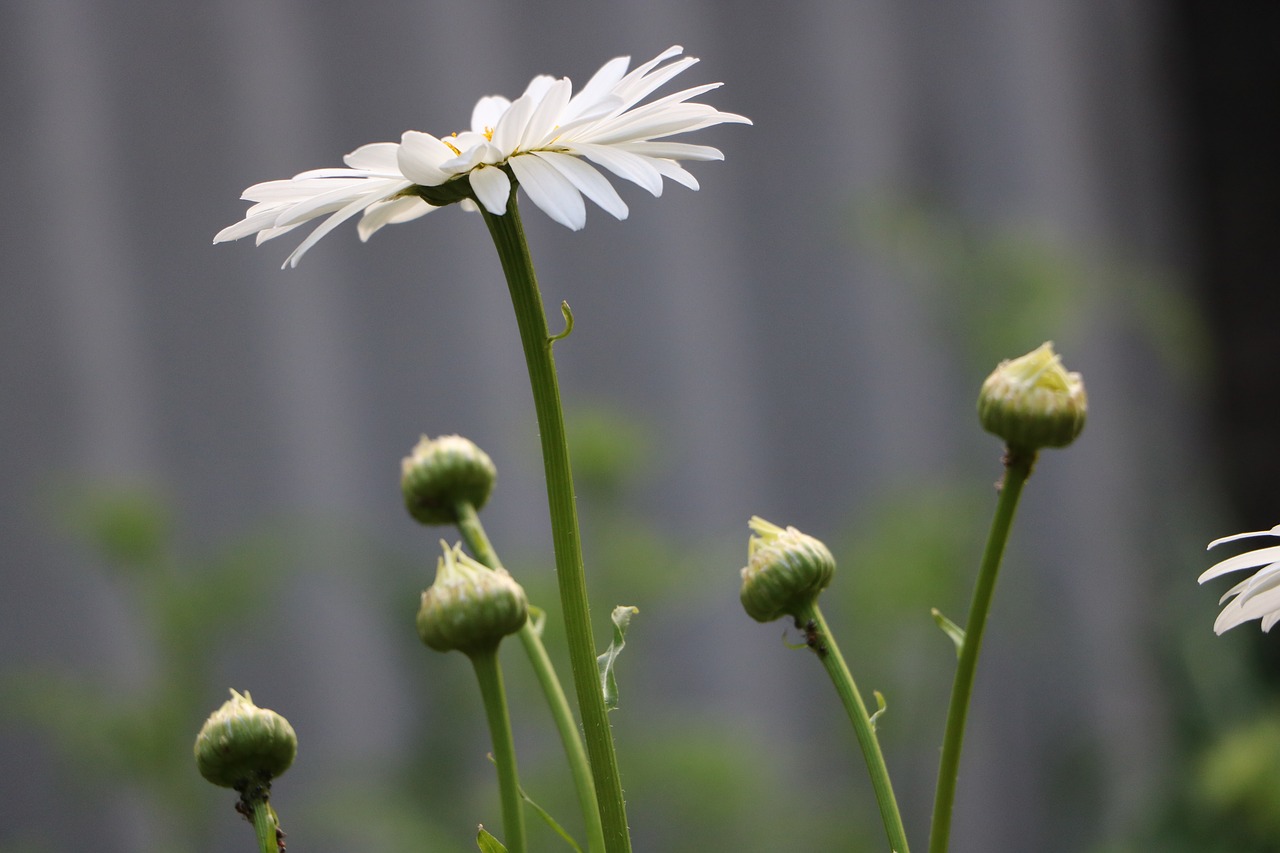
(1255,598)
(543,138)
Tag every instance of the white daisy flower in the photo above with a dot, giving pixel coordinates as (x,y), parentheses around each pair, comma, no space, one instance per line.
(1258,597)
(542,139)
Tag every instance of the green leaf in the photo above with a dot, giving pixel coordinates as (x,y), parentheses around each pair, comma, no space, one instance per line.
(880,706)
(550,821)
(537,620)
(951,629)
(621,620)
(487,843)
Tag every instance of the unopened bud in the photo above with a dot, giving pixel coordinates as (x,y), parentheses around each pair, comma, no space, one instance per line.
(441,473)
(1033,402)
(241,744)
(785,571)
(470,607)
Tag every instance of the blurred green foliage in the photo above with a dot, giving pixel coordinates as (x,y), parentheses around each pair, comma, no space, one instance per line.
(141,739)
(996,292)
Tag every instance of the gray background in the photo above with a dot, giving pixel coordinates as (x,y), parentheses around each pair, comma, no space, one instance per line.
(786,358)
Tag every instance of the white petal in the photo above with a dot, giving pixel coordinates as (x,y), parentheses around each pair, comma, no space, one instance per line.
(484,154)
(324,228)
(390,212)
(487,112)
(492,188)
(379,157)
(639,82)
(589,182)
(370,190)
(1238,612)
(644,125)
(1265,579)
(598,90)
(510,128)
(550,190)
(420,156)
(673,170)
(1275,531)
(1242,561)
(673,150)
(547,114)
(624,164)
(249,225)
(539,86)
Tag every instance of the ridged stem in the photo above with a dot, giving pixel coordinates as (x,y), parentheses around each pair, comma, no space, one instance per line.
(1017,469)
(522,282)
(265,823)
(824,646)
(575,753)
(489,674)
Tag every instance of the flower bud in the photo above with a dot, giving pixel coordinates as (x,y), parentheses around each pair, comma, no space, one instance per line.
(1033,402)
(785,571)
(241,744)
(470,607)
(439,474)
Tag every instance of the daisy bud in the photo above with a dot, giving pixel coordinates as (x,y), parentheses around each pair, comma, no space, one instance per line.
(1033,402)
(441,473)
(785,571)
(470,607)
(241,744)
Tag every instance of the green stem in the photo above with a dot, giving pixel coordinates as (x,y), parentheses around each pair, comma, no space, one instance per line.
(1017,469)
(824,646)
(489,674)
(522,282)
(265,824)
(473,534)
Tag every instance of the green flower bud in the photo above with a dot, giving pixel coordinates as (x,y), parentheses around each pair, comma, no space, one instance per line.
(785,571)
(441,473)
(1033,402)
(241,744)
(470,607)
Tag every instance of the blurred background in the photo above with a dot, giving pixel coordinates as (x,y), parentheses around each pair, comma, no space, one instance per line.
(199,474)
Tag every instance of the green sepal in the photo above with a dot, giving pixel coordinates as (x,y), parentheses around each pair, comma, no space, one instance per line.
(487,843)
(951,629)
(609,686)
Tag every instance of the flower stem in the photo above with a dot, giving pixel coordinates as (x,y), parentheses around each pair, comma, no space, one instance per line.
(824,646)
(489,674)
(522,282)
(478,541)
(1017,468)
(265,823)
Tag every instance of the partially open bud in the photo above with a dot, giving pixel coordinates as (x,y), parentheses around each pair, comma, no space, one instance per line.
(440,473)
(785,571)
(470,607)
(1033,402)
(241,744)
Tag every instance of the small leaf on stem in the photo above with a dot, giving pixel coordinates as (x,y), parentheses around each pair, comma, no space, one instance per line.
(880,708)
(621,620)
(487,843)
(951,629)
